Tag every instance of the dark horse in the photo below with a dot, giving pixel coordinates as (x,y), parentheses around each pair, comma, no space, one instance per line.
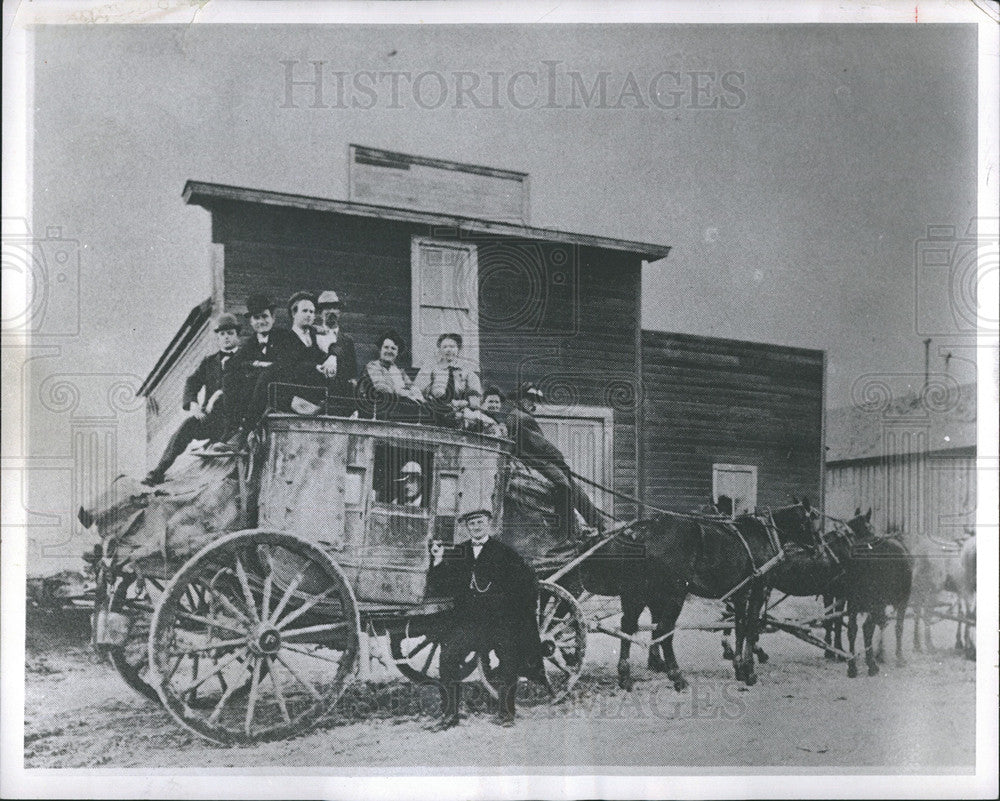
(658,561)
(852,569)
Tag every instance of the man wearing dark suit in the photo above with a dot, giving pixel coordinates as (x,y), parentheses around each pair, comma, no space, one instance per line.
(252,361)
(495,597)
(531,446)
(208,419)
(341,365)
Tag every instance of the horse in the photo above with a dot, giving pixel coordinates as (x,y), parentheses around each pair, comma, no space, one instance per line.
(877,572)
(658,561)
(793,526)
(967,594)
(937,567)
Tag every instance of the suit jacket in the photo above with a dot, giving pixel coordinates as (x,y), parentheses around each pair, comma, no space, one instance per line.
(208,374)
(292,354)
(496,590)
(346,353)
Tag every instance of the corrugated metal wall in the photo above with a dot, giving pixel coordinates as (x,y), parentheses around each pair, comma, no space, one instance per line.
(925,494)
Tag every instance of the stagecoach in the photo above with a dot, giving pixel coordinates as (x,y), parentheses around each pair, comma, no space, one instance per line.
(245,594)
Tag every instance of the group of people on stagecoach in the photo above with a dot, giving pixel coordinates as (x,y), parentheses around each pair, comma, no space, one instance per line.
(312,367)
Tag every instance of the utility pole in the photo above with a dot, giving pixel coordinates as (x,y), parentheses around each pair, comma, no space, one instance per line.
(927,364)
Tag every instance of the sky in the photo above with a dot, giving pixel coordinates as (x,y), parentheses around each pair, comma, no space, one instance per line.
(795,208)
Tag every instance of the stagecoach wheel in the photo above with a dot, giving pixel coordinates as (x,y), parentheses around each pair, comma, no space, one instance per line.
(269,651)
(563,632)
(416,650)
(135,600)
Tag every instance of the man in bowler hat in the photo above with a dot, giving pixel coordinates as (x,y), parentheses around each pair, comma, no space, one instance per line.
(208,418)
(495,597)
(253,360)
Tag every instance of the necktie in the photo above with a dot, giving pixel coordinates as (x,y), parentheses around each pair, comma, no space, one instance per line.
(449,390)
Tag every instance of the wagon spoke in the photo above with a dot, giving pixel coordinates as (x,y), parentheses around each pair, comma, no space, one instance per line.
(315,629)
(313,654)
(252,700)
(559,662)
(241,574)
(304,608)
(278,694)
(420,647)
(288,594)
(218,669)
(265,604)
(430,658)
(549,615)
(312,690)
(209,622)
(222,702)
(205,648)
(228,603)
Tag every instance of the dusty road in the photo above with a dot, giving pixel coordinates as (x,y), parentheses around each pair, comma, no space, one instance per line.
(803,712)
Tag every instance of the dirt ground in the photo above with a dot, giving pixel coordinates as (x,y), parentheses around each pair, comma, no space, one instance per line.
(804,711)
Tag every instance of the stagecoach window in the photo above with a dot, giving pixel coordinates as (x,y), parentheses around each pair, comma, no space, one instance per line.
(402,476)
(354,488)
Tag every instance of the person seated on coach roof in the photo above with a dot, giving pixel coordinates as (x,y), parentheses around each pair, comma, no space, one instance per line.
(450,387)
(385,391)
(252,361)
(489,417)
(531,447)
(495,596)
(299,366)
(208,420)
(340,346)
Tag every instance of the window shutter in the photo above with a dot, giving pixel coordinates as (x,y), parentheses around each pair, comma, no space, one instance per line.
(445,295)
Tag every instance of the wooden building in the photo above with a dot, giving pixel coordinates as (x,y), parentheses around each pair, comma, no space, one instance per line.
(561,309)
(724,417)
(912,459)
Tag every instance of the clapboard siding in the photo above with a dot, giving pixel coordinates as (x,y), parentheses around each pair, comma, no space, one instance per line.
(712,401)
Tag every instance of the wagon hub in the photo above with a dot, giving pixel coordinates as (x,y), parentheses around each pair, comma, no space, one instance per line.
(548,648)
(266,640)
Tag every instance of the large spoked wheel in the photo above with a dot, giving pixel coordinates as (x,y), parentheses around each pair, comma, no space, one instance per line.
(416,650)
(135,599)
(269,650)
(563,632)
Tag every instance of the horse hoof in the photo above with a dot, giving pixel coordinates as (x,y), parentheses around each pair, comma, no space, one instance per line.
(852,671)
(873,669)
(727,653)
(900,662)
(624,677)
(762,656)
(680,683)
(750,680)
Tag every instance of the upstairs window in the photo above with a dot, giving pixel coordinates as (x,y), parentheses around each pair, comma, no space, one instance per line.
(445,293)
